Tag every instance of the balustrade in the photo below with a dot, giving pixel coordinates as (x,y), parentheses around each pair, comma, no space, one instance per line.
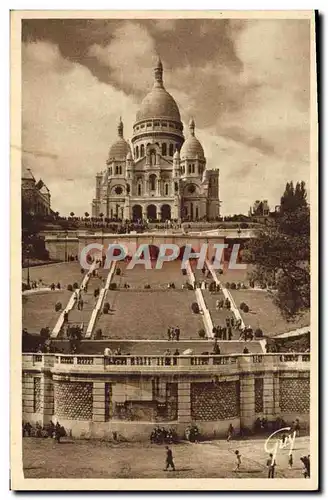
(105,362)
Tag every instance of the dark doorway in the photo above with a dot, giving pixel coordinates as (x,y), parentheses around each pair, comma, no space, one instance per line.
(151,212)
(166,212)
(136,212)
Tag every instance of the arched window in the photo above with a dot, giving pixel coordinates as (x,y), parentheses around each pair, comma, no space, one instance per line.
(116,170)
(142,150)
(171,150)
(164,149)
(152,182)
(137,152)
(189,168)
(166,189)
(139,189)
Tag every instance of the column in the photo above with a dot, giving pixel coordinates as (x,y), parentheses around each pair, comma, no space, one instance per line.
(247,392)
(98,411)
(158,191)
(28,394)
(184,406)
(276,394)
(145,189)
(268,395)
(47,398)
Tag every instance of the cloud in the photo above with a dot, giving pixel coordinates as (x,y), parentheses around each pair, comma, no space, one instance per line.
(129,56)
(67,111)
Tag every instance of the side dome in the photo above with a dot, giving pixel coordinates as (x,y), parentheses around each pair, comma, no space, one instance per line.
(120,148)
(192,147)
(158,103)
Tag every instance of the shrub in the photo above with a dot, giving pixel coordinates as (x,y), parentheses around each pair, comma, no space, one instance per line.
(246,308)
(242,305)
(70,288)
(195,308)
(75,285)
(243,225)
(227,285)
(201,333)
(58,306)
(233,286)
(258,333)
(112,286)
(98,334)
(118,271)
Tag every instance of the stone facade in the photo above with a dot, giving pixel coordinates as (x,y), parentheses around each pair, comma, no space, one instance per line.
(94,401)
(161,175)
(35,195)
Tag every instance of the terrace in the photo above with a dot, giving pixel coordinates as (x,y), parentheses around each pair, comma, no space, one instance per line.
(264,314)
(147,314)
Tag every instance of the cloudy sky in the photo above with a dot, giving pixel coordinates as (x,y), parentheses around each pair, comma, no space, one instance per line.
(245,82)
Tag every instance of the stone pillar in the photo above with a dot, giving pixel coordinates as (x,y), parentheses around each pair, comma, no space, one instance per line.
(145,189)
(98,410)
(276,394)
(47,398)
(28,394)
(268,395)
(247,393)
(184,404)
(158,191)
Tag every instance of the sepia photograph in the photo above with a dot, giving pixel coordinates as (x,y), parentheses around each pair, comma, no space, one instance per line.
(164,216)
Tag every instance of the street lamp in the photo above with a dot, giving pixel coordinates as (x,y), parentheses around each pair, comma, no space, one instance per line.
(66,234)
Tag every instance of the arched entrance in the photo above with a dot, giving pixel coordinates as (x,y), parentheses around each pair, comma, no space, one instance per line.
(136,212)
(166,212)
(151,212)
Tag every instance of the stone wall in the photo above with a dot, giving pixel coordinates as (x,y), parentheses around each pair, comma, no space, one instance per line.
(214,401)
(258,389)
(294,395)
(92,403)
(73,400)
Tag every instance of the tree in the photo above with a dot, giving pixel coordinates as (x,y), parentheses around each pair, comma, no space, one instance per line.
(86,215)
(281,253)
(101,215)
(72,214)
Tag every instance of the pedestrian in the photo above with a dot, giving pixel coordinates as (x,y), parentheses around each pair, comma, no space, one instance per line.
(238,461)
(177,334)
(169,458)
(290,461)
(230,432)
(271,464)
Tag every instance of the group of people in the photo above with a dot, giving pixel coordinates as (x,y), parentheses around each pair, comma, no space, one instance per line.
(168,355)
(55,431)
(223,304)
(54,287)
(173,333)
(192,433)
(225,332)
(160,435)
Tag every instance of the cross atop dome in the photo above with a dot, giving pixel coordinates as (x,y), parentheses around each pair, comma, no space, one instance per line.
(120,128)
(192,126)
(158,72)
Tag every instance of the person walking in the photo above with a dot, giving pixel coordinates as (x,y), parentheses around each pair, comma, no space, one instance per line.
(290,461)
(169,458)
(271,465)
(238,461)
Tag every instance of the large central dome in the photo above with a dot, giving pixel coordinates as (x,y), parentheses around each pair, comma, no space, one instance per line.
(158,103)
